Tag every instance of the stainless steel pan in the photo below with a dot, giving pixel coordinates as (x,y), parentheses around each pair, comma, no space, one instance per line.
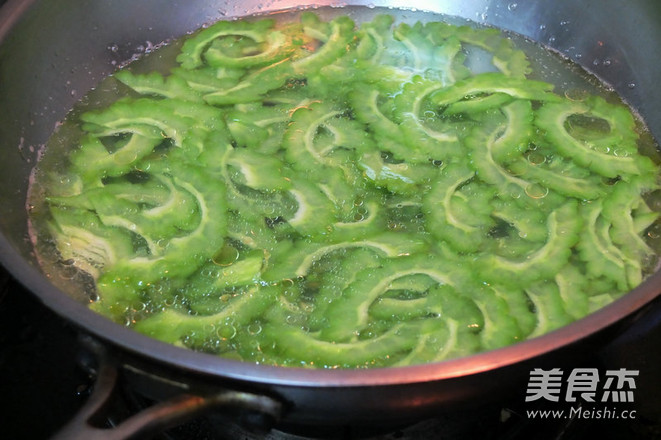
(52,52)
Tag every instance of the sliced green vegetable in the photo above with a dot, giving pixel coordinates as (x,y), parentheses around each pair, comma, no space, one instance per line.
(563,227)
(550,310)
(176,327)
(83,241)
(322,193)
(173,87)
(349,314)
(459,210)
(615,157)
(194,51)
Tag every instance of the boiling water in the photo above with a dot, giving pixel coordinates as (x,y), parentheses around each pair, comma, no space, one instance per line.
(569,80)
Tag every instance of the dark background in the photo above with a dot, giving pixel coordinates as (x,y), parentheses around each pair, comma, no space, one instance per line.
(41,382)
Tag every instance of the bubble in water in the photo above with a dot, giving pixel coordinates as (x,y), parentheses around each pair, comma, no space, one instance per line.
(604,149)
(255,328)
(293,319)
(620,152)
(208,273)
(536,191)
(513,190)
(227,331)
(536,158)
(307,307)
(512,6)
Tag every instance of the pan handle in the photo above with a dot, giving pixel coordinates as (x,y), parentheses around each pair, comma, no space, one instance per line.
(87,423)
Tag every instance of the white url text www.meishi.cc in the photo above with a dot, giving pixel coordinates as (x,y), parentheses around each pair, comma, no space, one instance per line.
(582,413)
